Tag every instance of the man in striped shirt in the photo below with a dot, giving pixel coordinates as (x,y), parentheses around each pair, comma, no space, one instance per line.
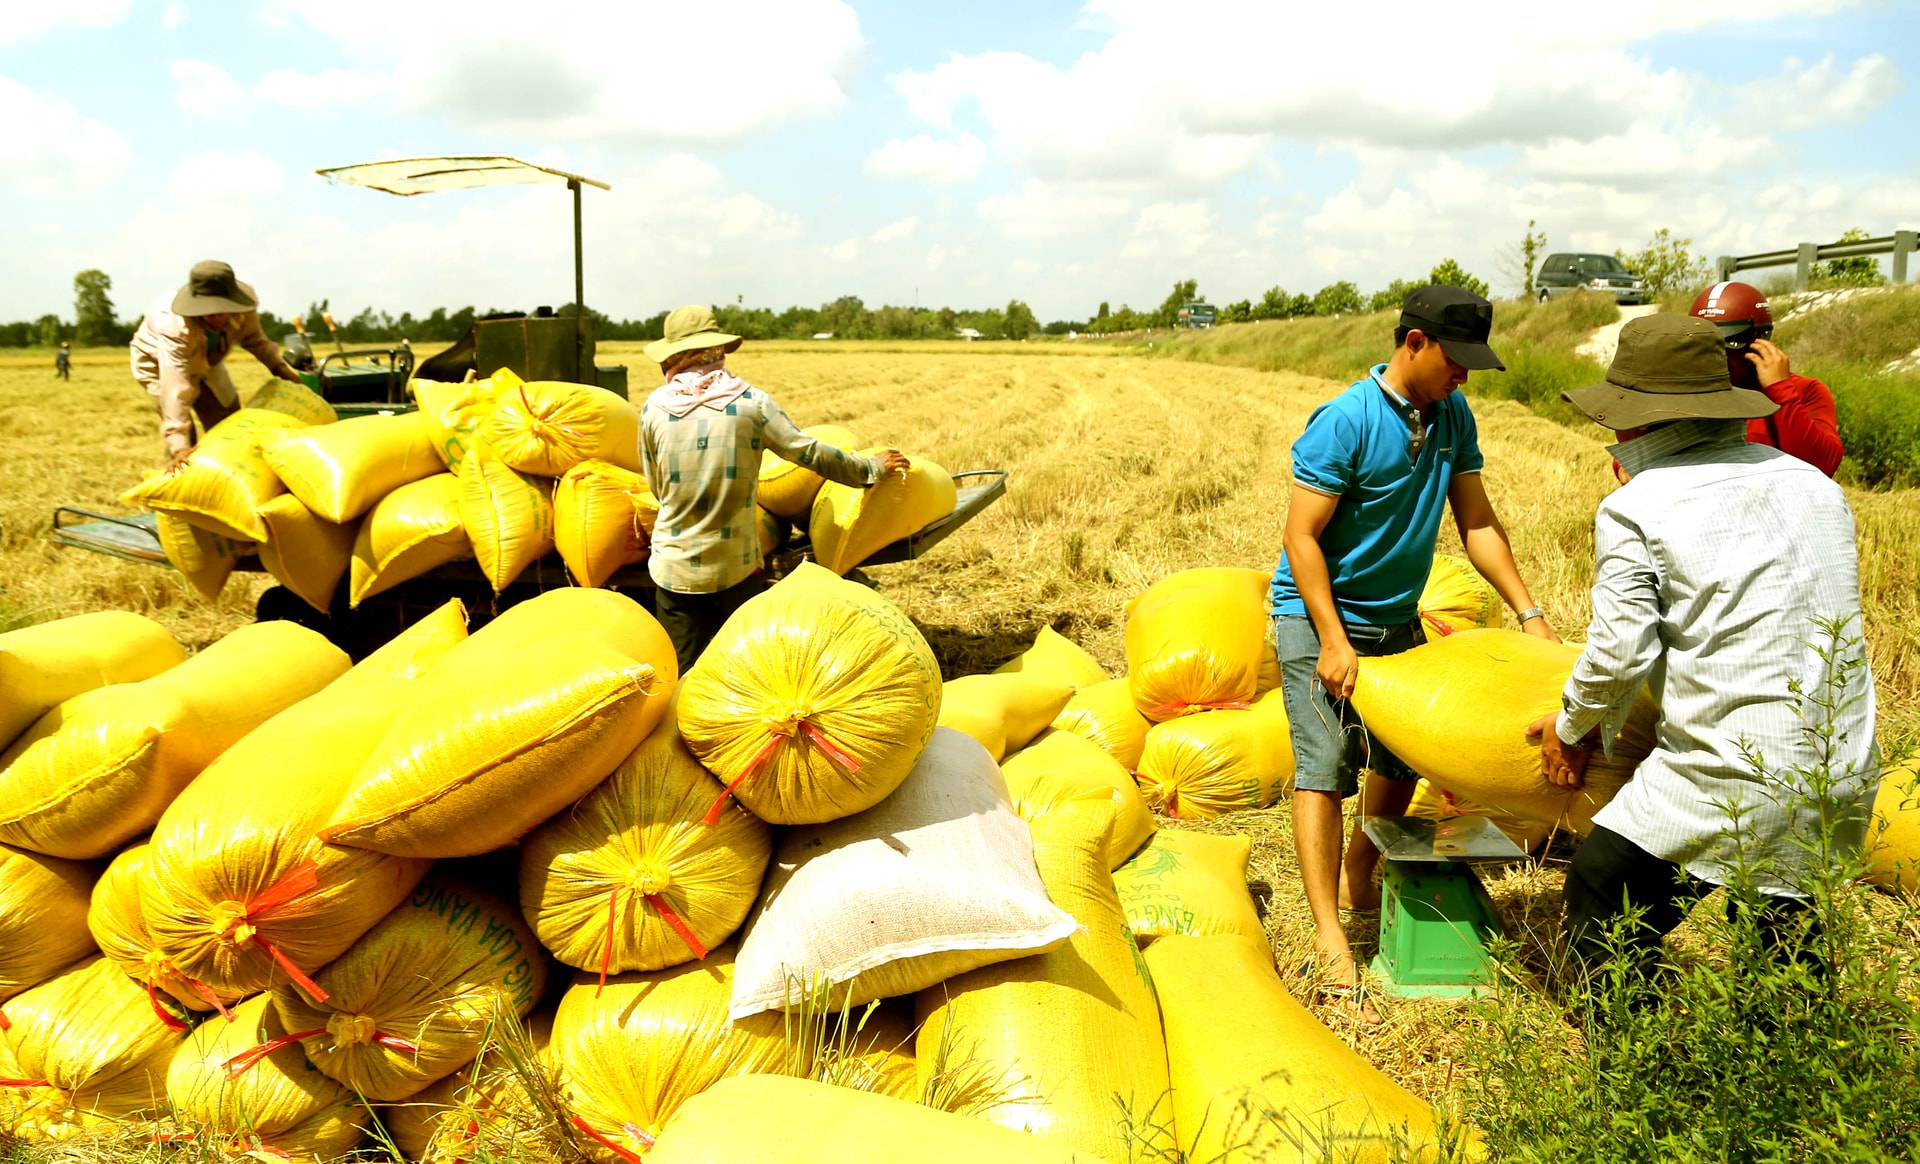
(1715,566)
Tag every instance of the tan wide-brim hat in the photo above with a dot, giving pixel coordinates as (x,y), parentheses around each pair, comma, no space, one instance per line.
(1668,367)
(688,329)
(212,289)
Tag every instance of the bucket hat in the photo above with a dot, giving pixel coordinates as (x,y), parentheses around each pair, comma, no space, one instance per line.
(1457,319)
(212,289)
(1668,367)
(689,328)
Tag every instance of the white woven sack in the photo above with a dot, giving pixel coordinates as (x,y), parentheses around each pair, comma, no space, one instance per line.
(935,880)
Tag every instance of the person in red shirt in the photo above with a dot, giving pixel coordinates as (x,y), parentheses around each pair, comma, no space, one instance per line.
(1806,425)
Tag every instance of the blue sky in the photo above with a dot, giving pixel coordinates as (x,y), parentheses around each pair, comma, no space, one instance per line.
(1058,153)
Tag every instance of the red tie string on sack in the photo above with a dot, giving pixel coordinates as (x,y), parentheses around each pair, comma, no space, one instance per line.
(625,1154)
(834,752)
(204,991)
(538,422)
(244,1062)
(1169,710)
(6,1024)
(301,880)
(166,1016)
(1436,624)
(25,1083)
(660,906)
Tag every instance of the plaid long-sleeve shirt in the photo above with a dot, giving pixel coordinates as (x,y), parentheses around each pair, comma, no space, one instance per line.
(705,469)
(176,357)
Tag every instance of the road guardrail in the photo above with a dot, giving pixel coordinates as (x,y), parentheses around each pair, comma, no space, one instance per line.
(1899,244)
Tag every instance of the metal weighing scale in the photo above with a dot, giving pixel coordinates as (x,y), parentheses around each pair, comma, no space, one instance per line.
(1435,916)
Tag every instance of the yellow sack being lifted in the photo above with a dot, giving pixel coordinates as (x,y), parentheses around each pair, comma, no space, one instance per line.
(1254,1071)
(87,1048)
(813,701)
(1105,715)
(305,554)
(1457,712)
(453,413)
(99,769)
(1003,712)
(1457,598)
(548,426)
(120,929)
(1054,658)
(508,514)
(773,1119)
(1893,839)
(1071,1037)
(43,918)
(243,894)
(45,665)
(1189,883)
(340,470)
(1199,766)
(602,520)
(1061,768)
(414,529)
(848,524)
(296,400)
(226,480)
(1196,641)
(629,879)
(631,1052)
(1433,803)
(412,1000)
(271,1102)
(207,559)
(786,489)
(548,698)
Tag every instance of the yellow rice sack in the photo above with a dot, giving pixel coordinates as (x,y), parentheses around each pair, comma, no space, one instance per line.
(278,1106)
(412,530)
(508,514)
(1104,714)
(629,879)
(207,559)
(1199,766)
(1054,658)
(786,489)
(621,1096)
(86,1048)
(1457,598)
(412,1000)
(243,894)
(1196,641)
(773,1119)
(773,531)
(813,701)
(1893,839)
(548,426)
(1070,1037)
(935,880)
(1189,883)
(296,400)
(1253,1069)
(484,1106)
(880,1047)
(43,917)
(1457,712)
(47,664)
(453,413)
(1433,803)
(305,554)
(548,698)
(848,524)
(340,470)
(99,769)
(120,929)
(1061,768)
(1003,712)
(602,520)
(226,479)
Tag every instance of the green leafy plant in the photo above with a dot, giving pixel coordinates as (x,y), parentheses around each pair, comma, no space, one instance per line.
(1453,274)
(1667,263)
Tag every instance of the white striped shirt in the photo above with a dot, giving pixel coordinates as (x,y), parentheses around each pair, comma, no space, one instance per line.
(1711,566)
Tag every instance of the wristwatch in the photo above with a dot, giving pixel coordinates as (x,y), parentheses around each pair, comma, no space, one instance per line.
(1530,613)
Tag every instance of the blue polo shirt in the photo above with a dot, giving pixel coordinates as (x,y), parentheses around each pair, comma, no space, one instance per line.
(1379,543)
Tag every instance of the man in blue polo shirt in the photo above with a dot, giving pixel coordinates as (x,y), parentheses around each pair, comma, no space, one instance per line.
(1372,474)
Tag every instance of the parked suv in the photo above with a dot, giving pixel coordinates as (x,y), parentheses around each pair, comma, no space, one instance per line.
(1602,274)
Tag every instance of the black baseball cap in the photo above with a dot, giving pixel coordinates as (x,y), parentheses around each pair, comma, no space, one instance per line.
(1458,319)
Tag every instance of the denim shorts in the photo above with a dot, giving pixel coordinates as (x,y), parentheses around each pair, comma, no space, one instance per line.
(1330,745)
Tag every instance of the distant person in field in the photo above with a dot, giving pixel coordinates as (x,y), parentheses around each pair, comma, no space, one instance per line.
(1711,566)
(179,353)
(1806,425)
(1372,475)
(63,362)
(701,433)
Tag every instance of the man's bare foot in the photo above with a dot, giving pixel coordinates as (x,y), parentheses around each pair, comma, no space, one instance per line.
(1367,900)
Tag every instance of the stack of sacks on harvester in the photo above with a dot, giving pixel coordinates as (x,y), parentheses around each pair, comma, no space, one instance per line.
(499,470)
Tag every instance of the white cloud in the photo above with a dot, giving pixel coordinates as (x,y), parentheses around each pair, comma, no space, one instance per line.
(1646,155)
(24,21)
(49,148)
(1807,95)
(895,231)
(207,90)
(844,252)
(310,91)
(927,159)
(1049,210)
(613,70)
(174,14)
(214,176)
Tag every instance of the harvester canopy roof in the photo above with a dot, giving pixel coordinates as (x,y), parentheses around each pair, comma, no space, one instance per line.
(407,176)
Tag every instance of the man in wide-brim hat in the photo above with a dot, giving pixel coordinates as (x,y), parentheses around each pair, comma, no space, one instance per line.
(1716,566)
(179,352)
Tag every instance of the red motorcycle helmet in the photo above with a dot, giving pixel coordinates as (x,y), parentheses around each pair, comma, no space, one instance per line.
(1740,312)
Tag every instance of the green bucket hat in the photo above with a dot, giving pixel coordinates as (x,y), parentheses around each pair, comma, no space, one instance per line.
(1668,367)
(688,329)
(212,289)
